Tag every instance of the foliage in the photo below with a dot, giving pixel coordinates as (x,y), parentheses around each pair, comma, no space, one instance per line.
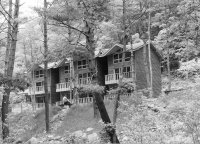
(190,69)
(171,120)
(91,89)
(124,88)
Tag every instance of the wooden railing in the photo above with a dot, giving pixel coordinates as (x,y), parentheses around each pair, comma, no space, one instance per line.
(114,78)
(86,100)
(63,87)
(84,81)
(37,90)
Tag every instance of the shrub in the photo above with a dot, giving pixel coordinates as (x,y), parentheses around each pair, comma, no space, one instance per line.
(190,68)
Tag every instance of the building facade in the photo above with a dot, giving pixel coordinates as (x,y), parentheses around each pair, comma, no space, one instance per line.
(110,63)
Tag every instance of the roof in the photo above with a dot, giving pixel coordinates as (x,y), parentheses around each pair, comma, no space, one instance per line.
(134,47)
(27,91)
(50,65)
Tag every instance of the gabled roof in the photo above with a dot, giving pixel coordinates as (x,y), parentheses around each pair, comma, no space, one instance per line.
(134,47)
(50,65)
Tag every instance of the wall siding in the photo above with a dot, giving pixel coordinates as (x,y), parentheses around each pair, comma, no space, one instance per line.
(40,79)
(102,70)
(54,80)
(156,71)
(141,81)
(62,73)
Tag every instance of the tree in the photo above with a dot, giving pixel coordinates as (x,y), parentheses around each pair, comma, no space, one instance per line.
(9,68)
(85,14)
(45,68)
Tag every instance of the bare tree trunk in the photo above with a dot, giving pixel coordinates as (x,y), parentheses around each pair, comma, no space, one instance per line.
(90,43)
(8,36)
(168,70)
(9,68)
(117,98)
(149,53)
(168,61)
(45,69)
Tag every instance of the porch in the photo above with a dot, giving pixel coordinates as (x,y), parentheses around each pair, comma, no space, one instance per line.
(63,87)
(84,81)
(37,90)
(114,78)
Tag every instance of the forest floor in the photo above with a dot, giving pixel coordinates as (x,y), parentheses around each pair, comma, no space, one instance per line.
(169,119)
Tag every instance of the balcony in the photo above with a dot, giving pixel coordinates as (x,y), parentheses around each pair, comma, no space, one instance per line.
(84,81)
(60,87)
(114,78)
(37,90)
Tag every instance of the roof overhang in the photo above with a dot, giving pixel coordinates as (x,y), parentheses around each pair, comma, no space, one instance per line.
(134,47)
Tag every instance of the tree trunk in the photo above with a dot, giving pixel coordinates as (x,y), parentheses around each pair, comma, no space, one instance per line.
(149,53)
(168,70)
(8,36)
(168,62)
(105,117)
(90,44)
(117,98)
(9,67)
(45,69)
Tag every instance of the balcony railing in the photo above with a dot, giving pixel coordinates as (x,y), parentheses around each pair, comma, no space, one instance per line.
(87,100)
(114,78)
(37,90)
(63,87)
(84,81)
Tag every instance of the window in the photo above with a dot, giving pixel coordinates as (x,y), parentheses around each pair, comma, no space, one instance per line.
(84,75)
(39,84)
(67,80)
(67,69)
(82,64)
(127,56)
(39,73)
(117,58)
(117,70)
(126,69)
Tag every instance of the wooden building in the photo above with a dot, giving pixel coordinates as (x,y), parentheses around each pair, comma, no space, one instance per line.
(109,66)
(37,85)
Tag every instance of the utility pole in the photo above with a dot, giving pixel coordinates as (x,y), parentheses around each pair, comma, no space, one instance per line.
(45,68)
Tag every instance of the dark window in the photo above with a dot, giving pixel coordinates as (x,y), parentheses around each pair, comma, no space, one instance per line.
(39,83)
(117,58)
(126,69)
(127,56)
(67,79)
(39,73)
(82,64)
(67,69)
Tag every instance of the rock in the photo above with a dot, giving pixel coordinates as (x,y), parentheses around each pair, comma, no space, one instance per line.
(57,138)
(89,129)
(125,138)
(33,140)
(92,137)
(19,141)
(78,133)
(84,135)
